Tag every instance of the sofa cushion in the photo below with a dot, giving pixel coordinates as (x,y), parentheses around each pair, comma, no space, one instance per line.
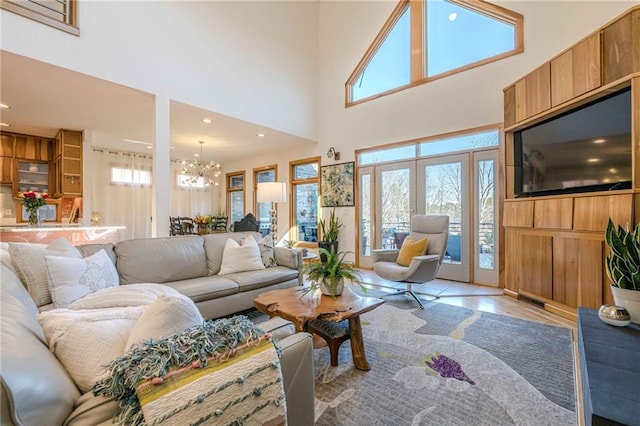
(160,260)
(38,389)
(205,288)
(214,247)
(123,295)
(266,252)
(89,249)
(251,280)
(93,410)
(86,340)
(32,268)
(70,279)
(164,317)
(241,257)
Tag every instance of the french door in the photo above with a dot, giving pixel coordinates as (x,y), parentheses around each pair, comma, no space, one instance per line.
(462,186)
(443,189)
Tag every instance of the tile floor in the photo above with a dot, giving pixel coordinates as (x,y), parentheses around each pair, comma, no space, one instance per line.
(436,288)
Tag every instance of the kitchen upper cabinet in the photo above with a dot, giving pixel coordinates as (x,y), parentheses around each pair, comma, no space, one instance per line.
(70,147)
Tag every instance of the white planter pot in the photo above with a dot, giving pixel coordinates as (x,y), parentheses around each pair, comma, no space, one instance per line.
(339,288)
(630,300)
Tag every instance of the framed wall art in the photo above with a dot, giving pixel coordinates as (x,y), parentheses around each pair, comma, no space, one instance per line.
(337,185)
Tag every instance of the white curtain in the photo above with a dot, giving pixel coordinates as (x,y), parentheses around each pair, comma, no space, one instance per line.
(130,204)
(122,204)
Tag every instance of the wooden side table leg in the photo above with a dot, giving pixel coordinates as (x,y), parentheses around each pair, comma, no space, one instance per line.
(357,344)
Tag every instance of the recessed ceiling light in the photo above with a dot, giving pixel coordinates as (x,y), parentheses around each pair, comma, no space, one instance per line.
(453,16)
(149,147)
(593,160)
(613,170)
(599,141)
(260,135)
(4,106)
(207,120)
(5,125)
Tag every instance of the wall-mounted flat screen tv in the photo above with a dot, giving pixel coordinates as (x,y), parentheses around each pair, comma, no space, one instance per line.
(586,149)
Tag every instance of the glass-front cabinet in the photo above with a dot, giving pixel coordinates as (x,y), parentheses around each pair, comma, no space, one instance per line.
(32,176)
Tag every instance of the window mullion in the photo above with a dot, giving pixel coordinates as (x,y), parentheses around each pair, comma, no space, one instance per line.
(416,28)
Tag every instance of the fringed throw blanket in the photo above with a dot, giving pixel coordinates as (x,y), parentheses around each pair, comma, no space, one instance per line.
(224,372)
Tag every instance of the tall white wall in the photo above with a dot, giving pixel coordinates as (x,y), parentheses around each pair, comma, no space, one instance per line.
(255,60)
(469,99)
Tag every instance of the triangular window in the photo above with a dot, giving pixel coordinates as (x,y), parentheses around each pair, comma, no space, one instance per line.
(429,39)
(389,67)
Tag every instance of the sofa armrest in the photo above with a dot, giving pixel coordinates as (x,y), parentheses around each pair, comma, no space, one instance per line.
(384,255)
(278,327)
(288,257)
(298,377)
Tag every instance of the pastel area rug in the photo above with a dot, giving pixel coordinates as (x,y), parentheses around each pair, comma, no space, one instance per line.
(446,365)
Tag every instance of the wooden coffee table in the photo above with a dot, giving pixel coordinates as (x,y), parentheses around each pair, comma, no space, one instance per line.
(301,309)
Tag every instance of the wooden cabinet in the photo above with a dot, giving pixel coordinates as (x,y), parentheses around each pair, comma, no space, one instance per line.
(577,71)
(59,163)
(620,46)
(533,93)
(556,248)
(6,158)
(536,272)
(70,162)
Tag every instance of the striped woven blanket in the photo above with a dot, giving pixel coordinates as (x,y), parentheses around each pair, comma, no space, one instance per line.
(225,372)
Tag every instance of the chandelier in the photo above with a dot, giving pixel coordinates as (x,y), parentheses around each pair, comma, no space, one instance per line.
(197,171)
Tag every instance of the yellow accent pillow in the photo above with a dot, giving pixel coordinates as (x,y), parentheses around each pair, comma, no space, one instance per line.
(410,249)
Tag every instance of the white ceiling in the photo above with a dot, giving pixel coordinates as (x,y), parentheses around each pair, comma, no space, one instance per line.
(45,98)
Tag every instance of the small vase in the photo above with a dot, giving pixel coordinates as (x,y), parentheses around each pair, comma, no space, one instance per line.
(629,299)
(332,289)
(34,217)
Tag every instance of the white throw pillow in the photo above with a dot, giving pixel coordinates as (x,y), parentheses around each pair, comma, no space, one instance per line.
(241,257)
(32,267)
(142,294)
(164,317)
(70,279)
(266,252)
(84,341)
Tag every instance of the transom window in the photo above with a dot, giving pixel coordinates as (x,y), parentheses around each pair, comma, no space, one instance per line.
(465,140)
(126,176)
(429,39)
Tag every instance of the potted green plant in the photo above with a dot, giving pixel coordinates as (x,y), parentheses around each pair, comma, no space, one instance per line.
(329,275)
(329,231)
(623,267)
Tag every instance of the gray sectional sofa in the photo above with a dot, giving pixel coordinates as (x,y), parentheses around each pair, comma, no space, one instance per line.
(191,264)
(36,388)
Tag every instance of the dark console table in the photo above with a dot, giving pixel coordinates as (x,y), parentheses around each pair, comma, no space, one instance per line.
(610,370)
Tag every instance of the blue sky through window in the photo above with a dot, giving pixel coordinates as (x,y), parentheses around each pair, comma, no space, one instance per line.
(390,66)
(457,36)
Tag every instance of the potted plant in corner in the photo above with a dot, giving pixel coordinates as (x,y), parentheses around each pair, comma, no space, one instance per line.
(330,231)
(623,267)
(329,275)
